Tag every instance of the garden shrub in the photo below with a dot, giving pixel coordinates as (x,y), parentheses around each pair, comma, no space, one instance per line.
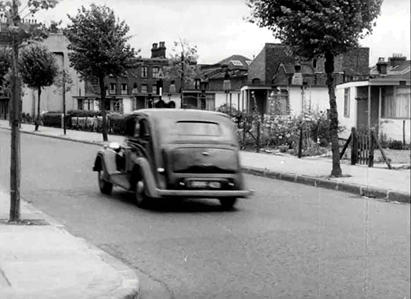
(83,113)
(395,144)
(52,119)
(117,124)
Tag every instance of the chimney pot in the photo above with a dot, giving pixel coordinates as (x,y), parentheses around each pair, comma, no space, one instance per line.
(154,45)
(382,66)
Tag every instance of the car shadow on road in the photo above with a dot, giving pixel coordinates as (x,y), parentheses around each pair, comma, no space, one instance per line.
(174,205)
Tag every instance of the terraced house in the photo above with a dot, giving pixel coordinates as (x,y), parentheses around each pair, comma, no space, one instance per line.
(140,88)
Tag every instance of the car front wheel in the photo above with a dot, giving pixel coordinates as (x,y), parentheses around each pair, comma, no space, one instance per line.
(142,200)
(105,187)
(228,203)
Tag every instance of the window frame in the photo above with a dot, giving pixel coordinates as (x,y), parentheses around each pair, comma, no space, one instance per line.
(156,74)
(144,72)
(124,91)
(347,102)
(112,90)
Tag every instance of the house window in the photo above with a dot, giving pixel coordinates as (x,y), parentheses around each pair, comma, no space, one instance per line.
(112,88)
(144,88)
(279,102)
(135,89)
(236,62)
(396,102)
(79,104)
(156,72)
(88,105)
(118,106)
(207,102)
(124,88)
(154,89)
(346,102)
(144,71)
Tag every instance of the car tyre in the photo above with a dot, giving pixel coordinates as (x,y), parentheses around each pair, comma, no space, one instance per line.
(105,187)
(228,203)
(142,200)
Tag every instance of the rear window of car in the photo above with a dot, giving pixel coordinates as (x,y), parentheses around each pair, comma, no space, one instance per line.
(198,128)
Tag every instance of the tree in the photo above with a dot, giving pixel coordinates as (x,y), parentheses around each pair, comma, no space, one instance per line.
(98,44)
(64,83)
(38,69)
(319,28)
(5,65)
(183,65)
(19,33)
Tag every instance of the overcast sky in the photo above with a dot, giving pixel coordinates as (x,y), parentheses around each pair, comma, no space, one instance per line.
(218,29)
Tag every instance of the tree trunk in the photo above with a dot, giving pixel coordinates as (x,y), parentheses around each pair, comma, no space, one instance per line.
(329,69)
(38,110)
(15,113)
(103,107)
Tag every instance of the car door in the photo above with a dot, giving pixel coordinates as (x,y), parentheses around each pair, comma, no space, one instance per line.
(144,138)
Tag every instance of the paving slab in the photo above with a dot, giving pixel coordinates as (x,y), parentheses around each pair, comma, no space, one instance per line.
(40,259)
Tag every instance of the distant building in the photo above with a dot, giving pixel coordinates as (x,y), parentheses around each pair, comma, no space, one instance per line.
(141,88)
(52,97)
(210,92)
(387,91)
(279,80)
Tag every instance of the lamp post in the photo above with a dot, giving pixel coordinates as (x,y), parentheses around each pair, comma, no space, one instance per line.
(227,87)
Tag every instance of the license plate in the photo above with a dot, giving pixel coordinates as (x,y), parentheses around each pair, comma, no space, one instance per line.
(205,184)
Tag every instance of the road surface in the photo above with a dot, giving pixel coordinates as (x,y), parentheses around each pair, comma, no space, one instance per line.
(288,241)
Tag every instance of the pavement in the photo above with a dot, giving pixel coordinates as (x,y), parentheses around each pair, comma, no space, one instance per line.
(40,259)
(37,273)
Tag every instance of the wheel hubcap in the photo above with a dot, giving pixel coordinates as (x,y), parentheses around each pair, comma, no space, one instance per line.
(140,190)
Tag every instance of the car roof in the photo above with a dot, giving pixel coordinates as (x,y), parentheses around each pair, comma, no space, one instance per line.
(182,114)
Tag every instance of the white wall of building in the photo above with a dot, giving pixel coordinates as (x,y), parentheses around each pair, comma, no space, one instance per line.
(51,98)
(394,129)
(315,97)
(221,98)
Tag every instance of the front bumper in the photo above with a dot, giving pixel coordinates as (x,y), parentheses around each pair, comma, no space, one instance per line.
(204,193)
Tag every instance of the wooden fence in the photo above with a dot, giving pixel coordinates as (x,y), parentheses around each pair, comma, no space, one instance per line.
(363,145)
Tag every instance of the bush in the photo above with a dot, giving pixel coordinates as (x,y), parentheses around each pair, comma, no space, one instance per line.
(117,124)
(83,113)
(395,144)
(52,119)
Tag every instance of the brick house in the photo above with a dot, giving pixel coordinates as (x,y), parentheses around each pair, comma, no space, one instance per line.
(294,82)
(209,91)
(386,93)
(140,88)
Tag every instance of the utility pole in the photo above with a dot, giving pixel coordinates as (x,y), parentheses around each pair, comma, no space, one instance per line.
(64,97)
(15,121)
(182,78)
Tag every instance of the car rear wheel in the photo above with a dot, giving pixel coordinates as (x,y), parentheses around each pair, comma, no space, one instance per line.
(142,200)
(228,203)
(105,187)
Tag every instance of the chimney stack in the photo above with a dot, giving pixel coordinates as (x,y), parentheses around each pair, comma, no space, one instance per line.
(382,66)
(162,50)
(396,59)
(154,51)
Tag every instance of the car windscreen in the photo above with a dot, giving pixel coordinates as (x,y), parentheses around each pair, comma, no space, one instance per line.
(197,128)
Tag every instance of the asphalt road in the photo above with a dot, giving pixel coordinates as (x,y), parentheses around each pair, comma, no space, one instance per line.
(288,241)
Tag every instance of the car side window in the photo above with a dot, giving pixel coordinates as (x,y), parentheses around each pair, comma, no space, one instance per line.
(137,129)
(142,130)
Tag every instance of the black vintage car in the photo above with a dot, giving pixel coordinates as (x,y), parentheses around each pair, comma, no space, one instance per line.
(175,153)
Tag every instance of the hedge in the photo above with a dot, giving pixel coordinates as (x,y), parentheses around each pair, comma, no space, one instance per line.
(117,124)
(83,113)
(52,119)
